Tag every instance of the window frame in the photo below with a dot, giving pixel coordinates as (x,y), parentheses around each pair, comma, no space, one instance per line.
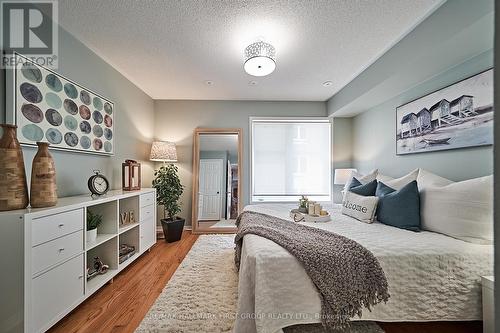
(313,119)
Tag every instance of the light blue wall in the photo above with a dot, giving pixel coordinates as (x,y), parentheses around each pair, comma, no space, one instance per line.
(175,120)
(374,135)
(457,31)
(342,140)
(134,116)
(453,43)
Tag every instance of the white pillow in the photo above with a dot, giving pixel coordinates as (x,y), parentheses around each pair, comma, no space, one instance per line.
(398,183)
(363,179)
(426,179)
(462,210)
(360,207)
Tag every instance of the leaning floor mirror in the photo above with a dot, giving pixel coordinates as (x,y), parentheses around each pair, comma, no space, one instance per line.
(216,180)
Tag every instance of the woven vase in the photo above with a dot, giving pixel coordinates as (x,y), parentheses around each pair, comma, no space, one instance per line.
(43,178)
(13,188)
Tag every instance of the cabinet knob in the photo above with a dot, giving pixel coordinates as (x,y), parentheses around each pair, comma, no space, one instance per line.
(80,277)
(61,225)
(61,249)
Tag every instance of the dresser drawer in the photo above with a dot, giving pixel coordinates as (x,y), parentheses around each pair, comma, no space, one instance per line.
(54,226)
(147,212)
(147,199)
(56,251)
(56,292)
(147,234)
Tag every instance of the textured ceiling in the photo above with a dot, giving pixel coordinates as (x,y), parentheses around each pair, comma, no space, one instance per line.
(171,48)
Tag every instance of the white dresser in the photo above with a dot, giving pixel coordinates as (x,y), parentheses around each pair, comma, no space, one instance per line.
(44,254)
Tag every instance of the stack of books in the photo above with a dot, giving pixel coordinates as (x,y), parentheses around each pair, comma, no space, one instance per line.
(126,251)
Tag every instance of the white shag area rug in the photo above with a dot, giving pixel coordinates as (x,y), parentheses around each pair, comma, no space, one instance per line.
(201,296)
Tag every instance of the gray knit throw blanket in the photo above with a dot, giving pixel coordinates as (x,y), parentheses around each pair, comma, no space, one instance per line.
(347,275)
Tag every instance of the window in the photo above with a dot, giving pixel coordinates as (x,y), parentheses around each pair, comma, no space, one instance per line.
(290,157)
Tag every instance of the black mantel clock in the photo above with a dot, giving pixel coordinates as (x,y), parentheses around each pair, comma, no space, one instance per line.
(98,184)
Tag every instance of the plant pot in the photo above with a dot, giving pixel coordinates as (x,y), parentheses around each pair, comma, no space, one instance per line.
(92,235)
(172,229)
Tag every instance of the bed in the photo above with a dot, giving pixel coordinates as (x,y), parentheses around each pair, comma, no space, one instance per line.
(431,276)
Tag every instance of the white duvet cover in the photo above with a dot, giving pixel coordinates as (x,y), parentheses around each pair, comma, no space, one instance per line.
(431,276)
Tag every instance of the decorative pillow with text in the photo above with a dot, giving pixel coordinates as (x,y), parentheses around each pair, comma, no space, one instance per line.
(360,207)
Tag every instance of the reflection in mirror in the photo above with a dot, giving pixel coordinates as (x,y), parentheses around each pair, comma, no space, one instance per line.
(218,181)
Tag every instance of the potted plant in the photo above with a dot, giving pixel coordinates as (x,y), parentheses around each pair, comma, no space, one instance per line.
(303,204)
(168,192)
(93,221)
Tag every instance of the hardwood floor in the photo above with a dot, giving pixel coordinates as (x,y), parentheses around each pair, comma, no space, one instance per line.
(121,305)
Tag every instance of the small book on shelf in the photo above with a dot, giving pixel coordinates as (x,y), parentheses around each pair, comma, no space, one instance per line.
(126,251)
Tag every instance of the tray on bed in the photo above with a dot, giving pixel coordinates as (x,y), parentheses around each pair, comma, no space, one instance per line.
(297,216)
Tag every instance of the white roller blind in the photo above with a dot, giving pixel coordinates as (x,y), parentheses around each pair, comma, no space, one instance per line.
(290,158)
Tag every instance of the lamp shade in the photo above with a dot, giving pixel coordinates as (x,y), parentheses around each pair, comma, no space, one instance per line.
(163,151)
(260,59)
(342,176)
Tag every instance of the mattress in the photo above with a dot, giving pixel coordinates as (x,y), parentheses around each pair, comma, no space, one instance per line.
(431,276)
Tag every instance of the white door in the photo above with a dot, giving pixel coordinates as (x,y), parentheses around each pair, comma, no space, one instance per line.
(228,193)
(210,189)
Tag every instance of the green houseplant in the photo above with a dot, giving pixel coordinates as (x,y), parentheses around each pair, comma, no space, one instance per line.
(168,193)
(303,204)
(93,221)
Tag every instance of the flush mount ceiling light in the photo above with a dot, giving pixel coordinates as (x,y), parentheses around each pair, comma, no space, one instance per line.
(260,59)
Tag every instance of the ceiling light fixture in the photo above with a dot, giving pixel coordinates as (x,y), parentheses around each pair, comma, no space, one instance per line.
(260,59)
(327,83)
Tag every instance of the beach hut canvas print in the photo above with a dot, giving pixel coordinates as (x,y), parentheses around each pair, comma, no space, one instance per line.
(457,116)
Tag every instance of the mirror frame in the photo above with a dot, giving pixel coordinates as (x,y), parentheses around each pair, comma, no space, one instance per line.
(196,166)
